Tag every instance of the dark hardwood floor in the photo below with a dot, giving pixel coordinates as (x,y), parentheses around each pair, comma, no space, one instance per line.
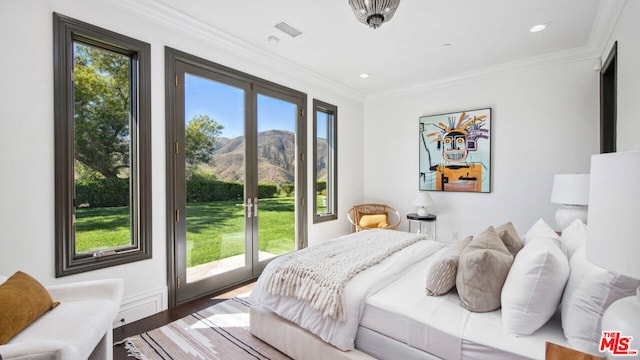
(167,316)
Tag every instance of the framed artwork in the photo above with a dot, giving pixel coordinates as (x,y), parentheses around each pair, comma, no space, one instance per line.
(455,151)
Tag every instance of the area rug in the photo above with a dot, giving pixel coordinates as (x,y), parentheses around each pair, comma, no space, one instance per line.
(217,332)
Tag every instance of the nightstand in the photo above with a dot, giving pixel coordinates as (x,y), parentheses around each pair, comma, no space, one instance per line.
(559,352)
(425,225)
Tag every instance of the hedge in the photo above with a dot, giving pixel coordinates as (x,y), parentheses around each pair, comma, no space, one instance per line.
(107,192)
(213,190)
(321,185)
(267,190)
(287,189)
(115,192)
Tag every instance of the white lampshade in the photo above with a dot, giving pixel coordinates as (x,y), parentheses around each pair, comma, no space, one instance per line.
(570,189)
(572,192)
(423,201)
(613,239)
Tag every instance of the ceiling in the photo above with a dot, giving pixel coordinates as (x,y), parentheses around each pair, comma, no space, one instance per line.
(426,41)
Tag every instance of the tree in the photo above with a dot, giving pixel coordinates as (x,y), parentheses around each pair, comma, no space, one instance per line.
(102,112)
(201,133)
(102,109)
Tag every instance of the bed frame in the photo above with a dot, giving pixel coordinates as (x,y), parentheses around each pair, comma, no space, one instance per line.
(299,343)
(294,341)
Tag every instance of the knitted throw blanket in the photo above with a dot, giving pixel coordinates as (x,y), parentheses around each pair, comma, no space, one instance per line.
(318,275)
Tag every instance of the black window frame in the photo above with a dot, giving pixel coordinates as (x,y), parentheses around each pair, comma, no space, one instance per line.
(66,31)
(332,144)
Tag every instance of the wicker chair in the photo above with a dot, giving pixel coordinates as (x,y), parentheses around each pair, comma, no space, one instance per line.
(373,216)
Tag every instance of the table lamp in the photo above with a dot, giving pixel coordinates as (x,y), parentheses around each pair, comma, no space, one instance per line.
(613,239)
(423,201)
(571,191)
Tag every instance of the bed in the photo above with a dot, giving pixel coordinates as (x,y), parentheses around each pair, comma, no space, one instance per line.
(389,315)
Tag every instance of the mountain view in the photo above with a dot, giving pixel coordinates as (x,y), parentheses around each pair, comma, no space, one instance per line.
(276,158)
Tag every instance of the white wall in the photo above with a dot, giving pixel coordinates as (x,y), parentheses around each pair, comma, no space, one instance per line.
(626,34)
(27,137)
(544,121)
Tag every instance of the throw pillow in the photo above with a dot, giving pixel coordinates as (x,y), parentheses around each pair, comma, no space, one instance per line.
(589,292)
(22,300)
(534,286)
(373,220)
(573,237)
(442,274)
(540,230)
(482,269)
(509,236)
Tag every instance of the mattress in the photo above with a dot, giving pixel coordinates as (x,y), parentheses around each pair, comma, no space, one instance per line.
(342,334)
(439,325)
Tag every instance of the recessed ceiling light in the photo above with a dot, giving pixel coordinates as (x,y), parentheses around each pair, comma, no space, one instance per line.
(273,39)
(364,75)
(538,27)
(446,45)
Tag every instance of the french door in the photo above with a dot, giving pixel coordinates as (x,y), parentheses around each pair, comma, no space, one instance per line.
(236,181)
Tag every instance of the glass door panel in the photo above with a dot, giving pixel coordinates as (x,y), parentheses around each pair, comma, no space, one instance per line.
(214,115)
(277,162)
(236,177)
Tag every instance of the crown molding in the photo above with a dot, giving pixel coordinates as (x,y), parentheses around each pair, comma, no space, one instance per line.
(607,16)
(609,12)
(519,66)
(177,21)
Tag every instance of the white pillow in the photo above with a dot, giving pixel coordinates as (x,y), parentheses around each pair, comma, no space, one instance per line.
(534,286)
(3,279)
(589,292)
(573,237)
(540,230)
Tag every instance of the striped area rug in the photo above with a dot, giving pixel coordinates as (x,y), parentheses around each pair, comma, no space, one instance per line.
(217,332)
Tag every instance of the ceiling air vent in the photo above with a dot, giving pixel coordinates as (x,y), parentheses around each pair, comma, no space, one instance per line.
(287,29)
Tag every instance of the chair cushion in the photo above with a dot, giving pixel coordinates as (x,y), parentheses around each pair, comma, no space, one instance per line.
(374,220)
(482,270)
(22,300)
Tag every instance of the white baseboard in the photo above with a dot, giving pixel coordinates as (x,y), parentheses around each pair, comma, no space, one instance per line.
(140,306)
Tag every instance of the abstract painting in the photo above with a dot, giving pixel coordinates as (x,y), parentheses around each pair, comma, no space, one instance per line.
(455,151)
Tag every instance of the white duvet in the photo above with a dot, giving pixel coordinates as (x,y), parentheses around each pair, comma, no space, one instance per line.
(342,334)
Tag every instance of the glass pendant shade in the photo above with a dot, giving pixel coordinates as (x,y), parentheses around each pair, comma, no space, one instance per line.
(374,12)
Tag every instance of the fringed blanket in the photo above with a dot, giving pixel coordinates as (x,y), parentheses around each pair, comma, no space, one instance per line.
(318,275)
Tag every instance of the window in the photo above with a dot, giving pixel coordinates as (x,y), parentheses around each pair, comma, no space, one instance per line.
(325,155)
(102,147)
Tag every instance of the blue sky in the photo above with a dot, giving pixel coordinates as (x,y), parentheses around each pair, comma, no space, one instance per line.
(225,104)
(321,130)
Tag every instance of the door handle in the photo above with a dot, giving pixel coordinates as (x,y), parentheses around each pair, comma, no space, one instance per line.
(249,207)
(255,206)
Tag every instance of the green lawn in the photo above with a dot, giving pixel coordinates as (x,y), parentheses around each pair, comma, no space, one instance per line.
(215,230)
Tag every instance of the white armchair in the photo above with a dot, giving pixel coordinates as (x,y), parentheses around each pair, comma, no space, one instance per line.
(81,327)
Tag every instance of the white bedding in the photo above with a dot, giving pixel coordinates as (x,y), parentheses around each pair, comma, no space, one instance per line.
(342,334)
(441,326)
